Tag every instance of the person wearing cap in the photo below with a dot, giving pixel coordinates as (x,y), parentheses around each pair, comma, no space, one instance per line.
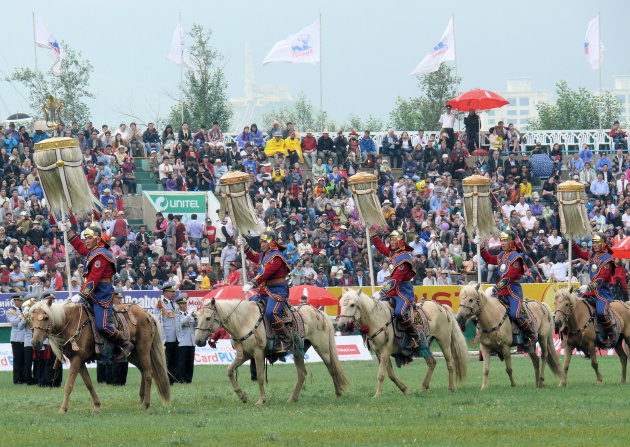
(234,276)
(276,145)
(601,268)
(511,268)
(400,287)
(185,334)
(309,149)
(99,268)
(29,377)
(273,269)
(169,317)
(17,320)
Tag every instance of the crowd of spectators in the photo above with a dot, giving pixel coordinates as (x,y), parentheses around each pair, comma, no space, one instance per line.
(299,187)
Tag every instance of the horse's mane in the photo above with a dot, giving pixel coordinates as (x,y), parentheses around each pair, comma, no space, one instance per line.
(565,293)
(55,311)
(473,289)
(374,305)
(236,310)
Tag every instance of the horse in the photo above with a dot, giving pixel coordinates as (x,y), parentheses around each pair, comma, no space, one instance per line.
(67,328)
(242,320)
(573,315)
(496,332)
(358,307)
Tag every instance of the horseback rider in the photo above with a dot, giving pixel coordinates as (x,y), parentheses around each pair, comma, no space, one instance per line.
(511,268)
(399,285)
(271,282)
(99,268)
(601,269)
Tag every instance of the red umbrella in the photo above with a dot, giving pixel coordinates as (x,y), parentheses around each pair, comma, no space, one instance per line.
(621,250)
(316,296)
(478,100)
(228,293)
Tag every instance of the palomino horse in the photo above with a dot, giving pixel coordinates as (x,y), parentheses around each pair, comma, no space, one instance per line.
(573,314)
(356,306)
(243,321)
(68,328)
(496,332)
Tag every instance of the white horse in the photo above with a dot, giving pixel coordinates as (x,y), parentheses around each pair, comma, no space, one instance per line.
(356,306)
(496,332)
(243,321)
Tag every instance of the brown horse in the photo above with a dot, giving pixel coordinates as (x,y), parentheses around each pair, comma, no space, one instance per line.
(356,306)
(68,329)
(242,320)
(496,332)
(573,314)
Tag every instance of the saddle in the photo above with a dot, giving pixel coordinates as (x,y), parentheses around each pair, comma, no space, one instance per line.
(401,337)
(294,324)
(104,348)
(600,331)
(518,338)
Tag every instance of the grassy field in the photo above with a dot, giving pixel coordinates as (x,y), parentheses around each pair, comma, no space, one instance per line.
(209,413)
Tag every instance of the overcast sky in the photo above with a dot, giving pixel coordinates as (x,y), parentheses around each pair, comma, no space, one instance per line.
(369,47)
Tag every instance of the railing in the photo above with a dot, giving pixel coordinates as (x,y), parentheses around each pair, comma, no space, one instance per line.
(569,140)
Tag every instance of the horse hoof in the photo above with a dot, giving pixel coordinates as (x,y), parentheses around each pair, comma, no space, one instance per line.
(62,411)
(244,398)
(96,410)
(562,384)
(260,403)
(377,395)
(452,390)
(599,382)
(338,396)
(484,388)
(291,400)
(406,392)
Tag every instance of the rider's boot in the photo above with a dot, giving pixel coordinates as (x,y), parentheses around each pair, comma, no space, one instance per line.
(531,337)
(412,332)
(607,324)
(123,343)
(283,336)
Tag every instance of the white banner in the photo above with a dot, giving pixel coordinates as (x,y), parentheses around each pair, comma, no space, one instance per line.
(349,347)
(443,51)
(303,47)
(593,48)
(44,38)
(179,53)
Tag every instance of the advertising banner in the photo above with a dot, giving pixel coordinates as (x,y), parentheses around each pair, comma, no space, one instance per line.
(184,203)
(350,347)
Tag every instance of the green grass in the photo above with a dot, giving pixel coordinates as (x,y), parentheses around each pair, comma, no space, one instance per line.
(209,413)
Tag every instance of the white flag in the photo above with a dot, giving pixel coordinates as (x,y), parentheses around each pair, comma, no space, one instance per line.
(179,53)
(443,51)
(302,47)
(44,38)
(593,47)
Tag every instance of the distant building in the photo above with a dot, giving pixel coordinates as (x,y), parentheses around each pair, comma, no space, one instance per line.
(522,107)
(622,93)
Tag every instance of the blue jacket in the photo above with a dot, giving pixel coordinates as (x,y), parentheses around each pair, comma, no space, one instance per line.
(367,146)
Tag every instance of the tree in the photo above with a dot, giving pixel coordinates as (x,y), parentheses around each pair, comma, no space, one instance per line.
(301,113)
(423,112)
(371,123)
(205,87)
(576,109)
(71,88)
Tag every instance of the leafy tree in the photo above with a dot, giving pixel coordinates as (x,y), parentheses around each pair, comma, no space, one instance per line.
(576,109)
(71,88)
(205,87)
(423,112)
(301,113)
(371,123)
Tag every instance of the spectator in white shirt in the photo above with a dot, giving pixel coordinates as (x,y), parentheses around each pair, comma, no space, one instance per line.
(554,239)
(559,271)
(383,275)
(545,266)
(447,120)
(528,221)
(626,218)
(429,280)
(521,207)
(420,141)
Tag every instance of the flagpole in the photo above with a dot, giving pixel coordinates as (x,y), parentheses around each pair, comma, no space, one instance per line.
(35,42)
(321,95)
(181,74)
(459,123)
(599,52)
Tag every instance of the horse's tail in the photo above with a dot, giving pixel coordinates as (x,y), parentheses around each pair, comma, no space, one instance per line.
(552,355)
(158,362)
(334,367)
(459,349)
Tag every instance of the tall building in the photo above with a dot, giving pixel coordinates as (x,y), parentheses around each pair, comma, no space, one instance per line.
(522,107)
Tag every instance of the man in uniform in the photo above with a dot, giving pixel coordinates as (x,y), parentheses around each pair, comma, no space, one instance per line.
(511,269)
(601,268)
(169,314)
(400,286)
(18,327)
(99,268)
(30,379)
(185,335)
(271,282)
